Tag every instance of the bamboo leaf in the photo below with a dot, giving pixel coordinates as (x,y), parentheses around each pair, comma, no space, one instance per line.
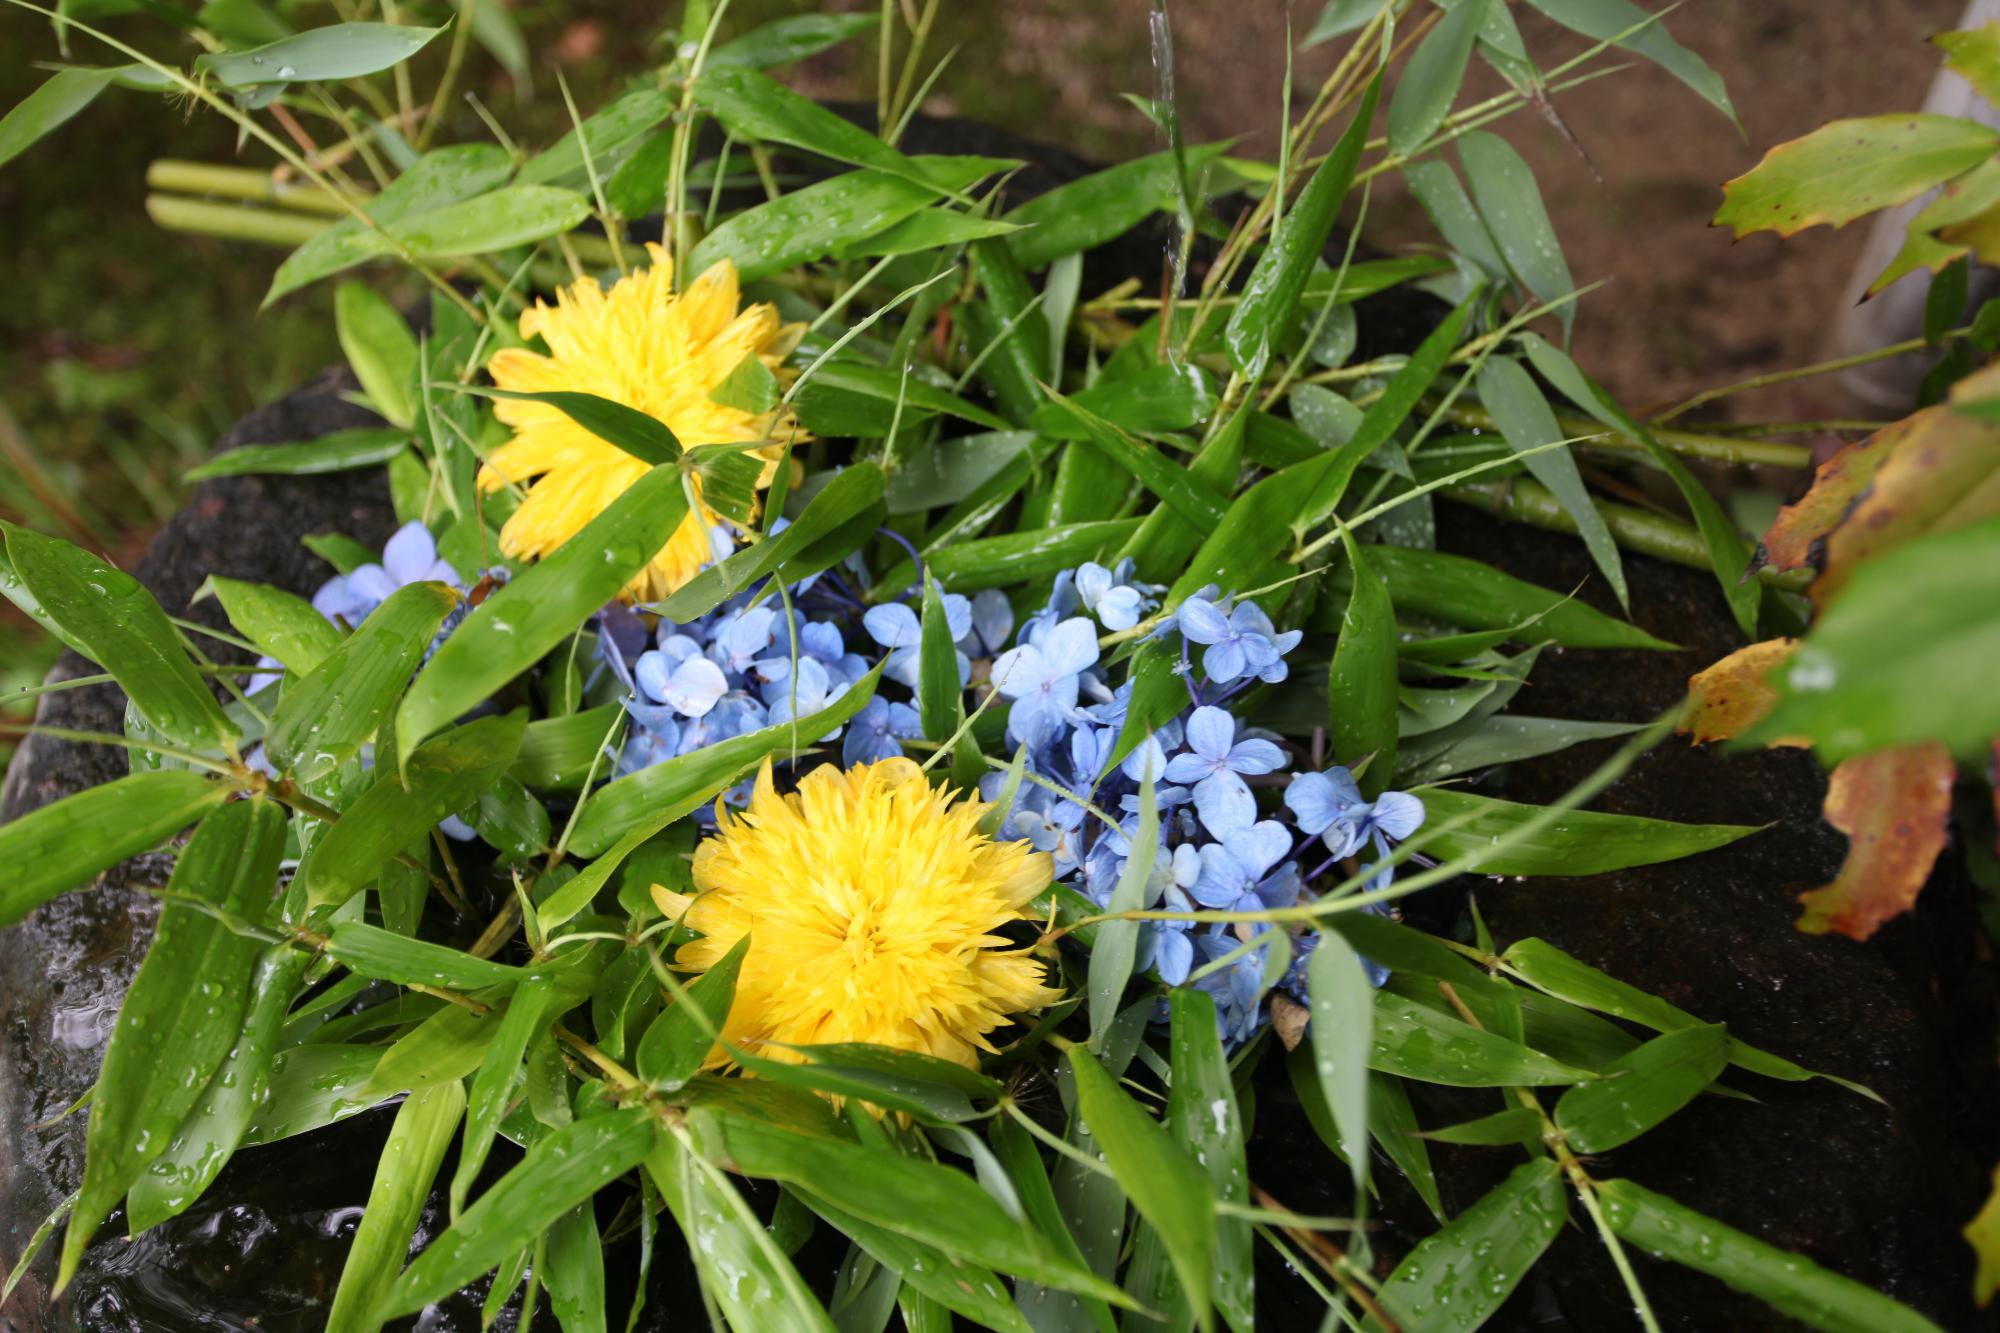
(1342,1035)
(1458,1277)
(1642,1088)
(1361,681)
(45,110)
(680,1039)
(417,1142)
(341,51)
(1415,1041)
(66,844)
(380,349)
(1581,842)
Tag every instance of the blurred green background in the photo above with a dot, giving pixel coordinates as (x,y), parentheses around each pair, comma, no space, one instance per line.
(125,351)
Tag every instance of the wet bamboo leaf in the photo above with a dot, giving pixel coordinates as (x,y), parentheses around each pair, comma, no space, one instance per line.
(1787,1282)
(940,697)
(1415,1041)
(1173,484)
(1642,1088)
(1511,203)
(1166,1185)
(1491,741)
(1361,681)
(1270,298)
(417,1142)
(971,1290)
(114,621)
(680,1039)
(340,451)
(1458,1277)
(183,1011)
(1155,400)
(532,1006)
(1342,1036)
(282,625)
(741,1267)
(446,1045)
(757,106)
(510,216)
(639,434)
(511,820)
(853,491)
(951,470)
(1117,943)
(1057,1311)
(64,845)
(1163,542)
(437,179)
(1438,189)
(1430,81)
(324,719)
(618,122)
(557,752)
(46,109)
(1527,422)
(931,1204)
(1727,552)
(1204,1118)
(998,562)
(1581,842)
(443,777)
(1477,596)
(342,51)
(209,1135)
(540,609)
(915,1091)
(684,783)
(558,1173)
(784,40)
(1084,214)
(848,398)
(573,1271)
(313,1086)
(1632,28)
(1549,969)
(370,951)
(1516,1124)
(380,349)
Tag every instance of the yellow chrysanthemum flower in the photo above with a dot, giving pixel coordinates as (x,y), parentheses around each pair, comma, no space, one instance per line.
(871,901)
(641,345)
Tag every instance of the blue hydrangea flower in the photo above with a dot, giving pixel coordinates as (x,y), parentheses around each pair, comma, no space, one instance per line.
(992,622)
(897,628)
(1331,806)
(1042,681)
(1237,873)
(1241,641)
(410,557)
(1215,763)
(1116,603)
(878,731)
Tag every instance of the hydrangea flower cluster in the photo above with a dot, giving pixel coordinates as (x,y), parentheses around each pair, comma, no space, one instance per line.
(1221,848)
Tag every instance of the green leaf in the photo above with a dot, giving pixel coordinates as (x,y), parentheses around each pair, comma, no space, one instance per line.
(1527,422)
(817,220)
(341,451)
(556,752)
(751,387)
(1466,592)
(370,951)
(638,800)
(741,1267)
(342,552)
(507,217)
(680,1039)
(559,1172)
(1517,1124)
(324,719)
(313,1086)
(973,1291)
(931,229)
(113,620)
(1154,400)
(1270,297)
(1343,1006)
(66,844)
(1416,1041)
(620,121)
(437,179)
(44,110)
(1974,55)
(182,1013)
(1511,204)
(211,1132)
(1491,741)
(1117,942)
(1580,842)
(852,491)
(1084,214)
(999,562)
(1628,26)
(342,51)
(940,698)
(1176,487)
(1642,1088)
(1789,1283)
(1167,1186)
(932,1204)
(1437,188)
(1549,969)
(639,434)
(380,349)
(573,1271)
(1848,168)
(849,398)
(534,1004)
(418,1139)
(1430,81)
(782,41)
(1460,1276)
(1361,682)
(915,1090)
(443,777)
(521,623)
(1203,1115)
(1898,656)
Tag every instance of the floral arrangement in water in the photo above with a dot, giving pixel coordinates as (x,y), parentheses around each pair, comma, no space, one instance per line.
(844,710)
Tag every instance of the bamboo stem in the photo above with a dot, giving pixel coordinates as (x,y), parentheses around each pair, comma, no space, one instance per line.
(1690,444)
(177,177)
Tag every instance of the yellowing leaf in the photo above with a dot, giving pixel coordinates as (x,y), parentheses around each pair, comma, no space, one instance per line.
(1726,698)
(1848,168)
(1983,1232)
(1894,806)
(1974,55)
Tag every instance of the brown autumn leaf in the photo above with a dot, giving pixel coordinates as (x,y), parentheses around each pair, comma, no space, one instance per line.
(1726,698)
(1894,806)
(1795,535)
